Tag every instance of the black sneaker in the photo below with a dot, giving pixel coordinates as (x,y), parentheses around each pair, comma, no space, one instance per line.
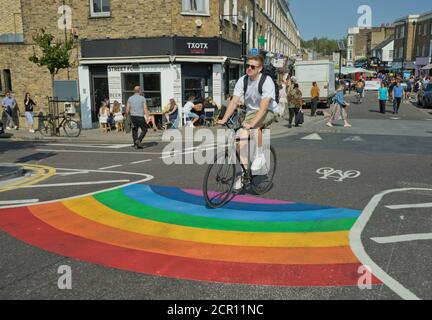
(139,145)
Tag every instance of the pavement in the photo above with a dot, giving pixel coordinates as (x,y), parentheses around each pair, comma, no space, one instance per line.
(129,226)
(96,136)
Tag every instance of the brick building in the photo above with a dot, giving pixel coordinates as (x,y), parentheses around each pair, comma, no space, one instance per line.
(171,48)
(405,30)
(423,42)
(357,44)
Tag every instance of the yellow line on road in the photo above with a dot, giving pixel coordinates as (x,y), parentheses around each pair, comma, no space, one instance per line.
(39,173)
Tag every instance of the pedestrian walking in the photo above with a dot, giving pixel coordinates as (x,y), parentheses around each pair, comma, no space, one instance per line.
(339,107)
(283,100)
(294,104)
(383,97)
(397,97)
(29,105)
(8,105)
(137,109)
(315,95)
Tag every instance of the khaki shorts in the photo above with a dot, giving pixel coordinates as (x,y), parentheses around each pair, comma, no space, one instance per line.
(268,119)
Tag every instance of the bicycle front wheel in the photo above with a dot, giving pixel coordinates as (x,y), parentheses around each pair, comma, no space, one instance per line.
(262,181)
(219,182)
(72,128)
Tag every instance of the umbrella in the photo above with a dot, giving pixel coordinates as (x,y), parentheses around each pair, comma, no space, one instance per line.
(428,67)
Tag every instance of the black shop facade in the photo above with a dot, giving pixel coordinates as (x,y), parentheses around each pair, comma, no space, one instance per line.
(164,68)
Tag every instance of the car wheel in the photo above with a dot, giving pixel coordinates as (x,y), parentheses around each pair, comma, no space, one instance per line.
(419,103)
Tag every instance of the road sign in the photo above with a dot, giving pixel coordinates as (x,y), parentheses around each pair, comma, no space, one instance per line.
(262,40)
(341,45)
(254,51)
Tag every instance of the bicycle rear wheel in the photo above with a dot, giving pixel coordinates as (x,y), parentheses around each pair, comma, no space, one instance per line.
(72,128)
(219,182)
(263,182)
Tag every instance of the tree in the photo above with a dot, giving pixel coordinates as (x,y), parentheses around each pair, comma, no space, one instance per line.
(55,54)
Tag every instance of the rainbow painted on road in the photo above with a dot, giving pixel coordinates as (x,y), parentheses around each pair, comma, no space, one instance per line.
(168,232)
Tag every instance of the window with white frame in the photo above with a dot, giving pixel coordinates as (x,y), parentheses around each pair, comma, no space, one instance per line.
(195,7)
(226,10)
(100,8)
(234,12)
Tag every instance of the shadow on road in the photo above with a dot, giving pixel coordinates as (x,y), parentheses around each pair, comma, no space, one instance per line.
(36,157)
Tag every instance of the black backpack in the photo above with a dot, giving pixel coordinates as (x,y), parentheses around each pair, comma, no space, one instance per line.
(267,71)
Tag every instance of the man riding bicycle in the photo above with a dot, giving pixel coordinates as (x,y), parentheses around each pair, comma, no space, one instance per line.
(261,110)
(360,89)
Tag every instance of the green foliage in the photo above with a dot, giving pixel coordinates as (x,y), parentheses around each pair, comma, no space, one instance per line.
(323,46)
(55,54)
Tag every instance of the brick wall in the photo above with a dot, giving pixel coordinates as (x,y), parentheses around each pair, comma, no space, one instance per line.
(10,17)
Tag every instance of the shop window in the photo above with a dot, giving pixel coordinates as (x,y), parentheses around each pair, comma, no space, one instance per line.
(195,7)
(100,8)
(150,84)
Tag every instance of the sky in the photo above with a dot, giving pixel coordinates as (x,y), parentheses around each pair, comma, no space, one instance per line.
(332,18)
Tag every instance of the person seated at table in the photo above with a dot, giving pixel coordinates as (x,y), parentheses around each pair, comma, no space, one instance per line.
(152,121)
(188,107)
(170,112)
(118,116)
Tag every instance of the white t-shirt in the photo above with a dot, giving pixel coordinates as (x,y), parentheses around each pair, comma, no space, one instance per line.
(188,107)
(253,98)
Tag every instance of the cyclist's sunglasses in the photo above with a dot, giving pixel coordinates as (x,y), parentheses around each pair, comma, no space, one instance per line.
(251,66)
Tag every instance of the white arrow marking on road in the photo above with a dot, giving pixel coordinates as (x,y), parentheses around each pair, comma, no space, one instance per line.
(9,202)
(73,184)
(410,206)
(403,238)
(355,138)
(313,136)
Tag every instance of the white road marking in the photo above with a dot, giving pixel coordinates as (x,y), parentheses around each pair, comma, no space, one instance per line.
(410,206)
(112,146)
(313,136)
(111,167)
(360,252)
(102,152)
(146,178)
(403,238)
(65,174)
(74,184)
(141,161)
(354,138)
(9,202)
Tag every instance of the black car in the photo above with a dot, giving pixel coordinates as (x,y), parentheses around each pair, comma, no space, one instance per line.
(425,95)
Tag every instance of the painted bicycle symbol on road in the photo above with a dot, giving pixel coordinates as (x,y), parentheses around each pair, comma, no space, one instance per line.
(337,175)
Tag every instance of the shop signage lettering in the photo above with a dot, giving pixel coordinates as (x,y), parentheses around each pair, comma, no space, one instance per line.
(195,45)
(120,68)
(189,46)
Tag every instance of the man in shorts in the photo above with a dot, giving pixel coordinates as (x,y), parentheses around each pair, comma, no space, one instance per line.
(261,110)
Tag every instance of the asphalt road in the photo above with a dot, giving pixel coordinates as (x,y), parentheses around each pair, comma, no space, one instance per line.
(333,167)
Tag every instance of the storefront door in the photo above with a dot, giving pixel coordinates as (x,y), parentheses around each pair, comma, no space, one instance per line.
(100,92)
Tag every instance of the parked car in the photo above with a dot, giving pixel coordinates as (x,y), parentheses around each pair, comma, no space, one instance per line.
(1,127)
(425,95)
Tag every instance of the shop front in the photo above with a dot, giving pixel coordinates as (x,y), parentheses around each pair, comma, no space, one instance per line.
(164,68)
(420,63)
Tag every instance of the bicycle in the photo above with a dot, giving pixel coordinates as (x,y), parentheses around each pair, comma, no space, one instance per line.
(71,127)
(223,173)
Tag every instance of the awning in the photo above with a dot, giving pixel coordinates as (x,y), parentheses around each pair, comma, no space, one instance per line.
(351,70)
(428,67)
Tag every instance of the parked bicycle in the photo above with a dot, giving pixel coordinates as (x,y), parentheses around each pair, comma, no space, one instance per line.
(51,123)
(220,176)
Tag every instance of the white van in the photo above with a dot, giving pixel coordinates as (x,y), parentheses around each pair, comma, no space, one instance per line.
(320,71)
